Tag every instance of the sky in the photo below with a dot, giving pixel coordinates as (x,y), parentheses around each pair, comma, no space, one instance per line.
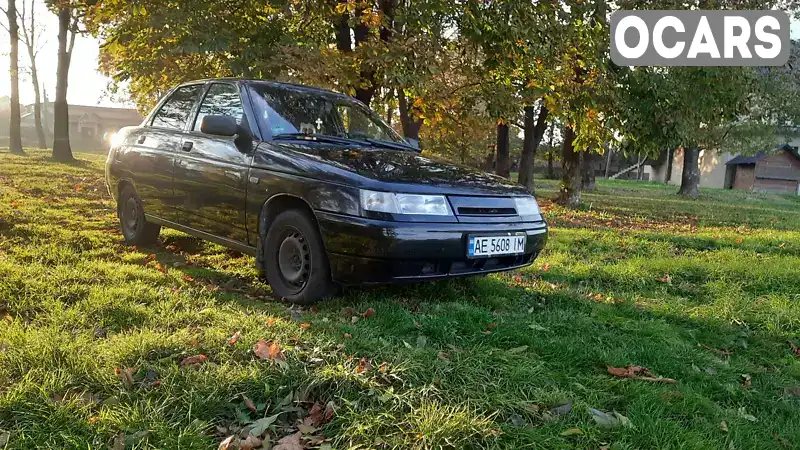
(87,86)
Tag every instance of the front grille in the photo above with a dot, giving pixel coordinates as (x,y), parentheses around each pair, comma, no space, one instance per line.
(471,211)
(481,209)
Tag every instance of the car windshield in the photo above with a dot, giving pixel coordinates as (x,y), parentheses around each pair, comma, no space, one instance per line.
(294,112)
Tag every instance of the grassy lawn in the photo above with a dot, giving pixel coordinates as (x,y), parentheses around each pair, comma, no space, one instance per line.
(707,292)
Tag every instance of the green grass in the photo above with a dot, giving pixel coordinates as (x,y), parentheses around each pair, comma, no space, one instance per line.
(468,364)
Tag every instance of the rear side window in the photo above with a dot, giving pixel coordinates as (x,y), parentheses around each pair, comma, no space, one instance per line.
(221,100)
(176,110)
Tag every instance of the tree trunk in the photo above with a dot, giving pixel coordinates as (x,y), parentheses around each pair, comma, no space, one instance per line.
(570,193)
(550,173)
(588,173)
(690,179)
(409,117)
(37,105)
(530,144)
(14,122)
(61,148)
(502,165)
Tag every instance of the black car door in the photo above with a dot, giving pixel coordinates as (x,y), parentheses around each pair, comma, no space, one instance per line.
(211,171)
(155,146)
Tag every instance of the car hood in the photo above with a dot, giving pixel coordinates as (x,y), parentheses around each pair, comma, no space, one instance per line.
(382,169)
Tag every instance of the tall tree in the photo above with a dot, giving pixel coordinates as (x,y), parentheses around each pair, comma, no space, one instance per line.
(503,148)
(534,132)
(15,131)
(30,37)
(67,29)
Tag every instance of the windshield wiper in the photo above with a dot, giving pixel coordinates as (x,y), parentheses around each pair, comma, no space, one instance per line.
(387,144)
(314,137)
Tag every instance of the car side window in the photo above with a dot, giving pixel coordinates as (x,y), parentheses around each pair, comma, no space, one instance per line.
(176,110)
(221,100)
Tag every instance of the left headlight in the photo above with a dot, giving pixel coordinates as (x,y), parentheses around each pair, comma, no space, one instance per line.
(527,206)
(389,202)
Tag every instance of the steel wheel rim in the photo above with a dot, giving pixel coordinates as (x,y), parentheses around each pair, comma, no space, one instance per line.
(130,215)
(294,259)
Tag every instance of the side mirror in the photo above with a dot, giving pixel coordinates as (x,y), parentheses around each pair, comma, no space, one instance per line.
(219,125)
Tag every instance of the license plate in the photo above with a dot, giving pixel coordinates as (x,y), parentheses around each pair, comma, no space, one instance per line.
(485,246)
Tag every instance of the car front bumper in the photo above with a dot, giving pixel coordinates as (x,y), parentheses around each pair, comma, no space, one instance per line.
(364,251)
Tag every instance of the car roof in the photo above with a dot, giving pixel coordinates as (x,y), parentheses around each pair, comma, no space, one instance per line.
(278,84)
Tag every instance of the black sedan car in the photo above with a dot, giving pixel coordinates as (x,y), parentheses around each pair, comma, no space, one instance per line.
(314,185)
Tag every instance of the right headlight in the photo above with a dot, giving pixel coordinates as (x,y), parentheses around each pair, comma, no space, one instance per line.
(395,203)
(527,206)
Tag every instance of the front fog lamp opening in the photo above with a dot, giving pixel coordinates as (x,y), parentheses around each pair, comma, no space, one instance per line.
(527,206)
(414,204)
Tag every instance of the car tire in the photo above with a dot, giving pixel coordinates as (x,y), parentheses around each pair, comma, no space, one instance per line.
(295,260)
(135,228)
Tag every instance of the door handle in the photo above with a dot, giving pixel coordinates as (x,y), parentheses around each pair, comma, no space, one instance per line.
(141,139)
(187,146)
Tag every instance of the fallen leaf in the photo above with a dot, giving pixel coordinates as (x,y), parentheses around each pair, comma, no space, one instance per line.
(291,442)
(665,279)
(518,421)
(126,375)
(443,355)
(354,320)
(606,420)
(268,350)
(249,443)
(724,353)
(305,325)
(314,417)
(133,440)
(306,429)
(546,267)
(491,326)
(638,373)
(192,360)
(795,391)
(572,432)
(744,415)
(557,410)
(383,367)
(249,404)
(739,240)
(261,425)
(745,380)
(348,311)
(330,411)
(270,322)
(225,444)
(93,419)
(368,313)
(723,426)
(348,336)
(363,365)
(235,338)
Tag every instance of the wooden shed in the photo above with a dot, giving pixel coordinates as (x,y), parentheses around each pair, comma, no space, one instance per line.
(777,172)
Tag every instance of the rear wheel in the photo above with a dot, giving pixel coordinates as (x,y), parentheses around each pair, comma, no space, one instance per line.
(296,264)
(136,229)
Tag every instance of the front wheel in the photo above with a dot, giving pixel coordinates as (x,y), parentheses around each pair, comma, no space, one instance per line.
(296,264)
(136,229)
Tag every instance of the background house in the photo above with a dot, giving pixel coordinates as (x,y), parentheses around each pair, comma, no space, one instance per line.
(778,172)
(87,124)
